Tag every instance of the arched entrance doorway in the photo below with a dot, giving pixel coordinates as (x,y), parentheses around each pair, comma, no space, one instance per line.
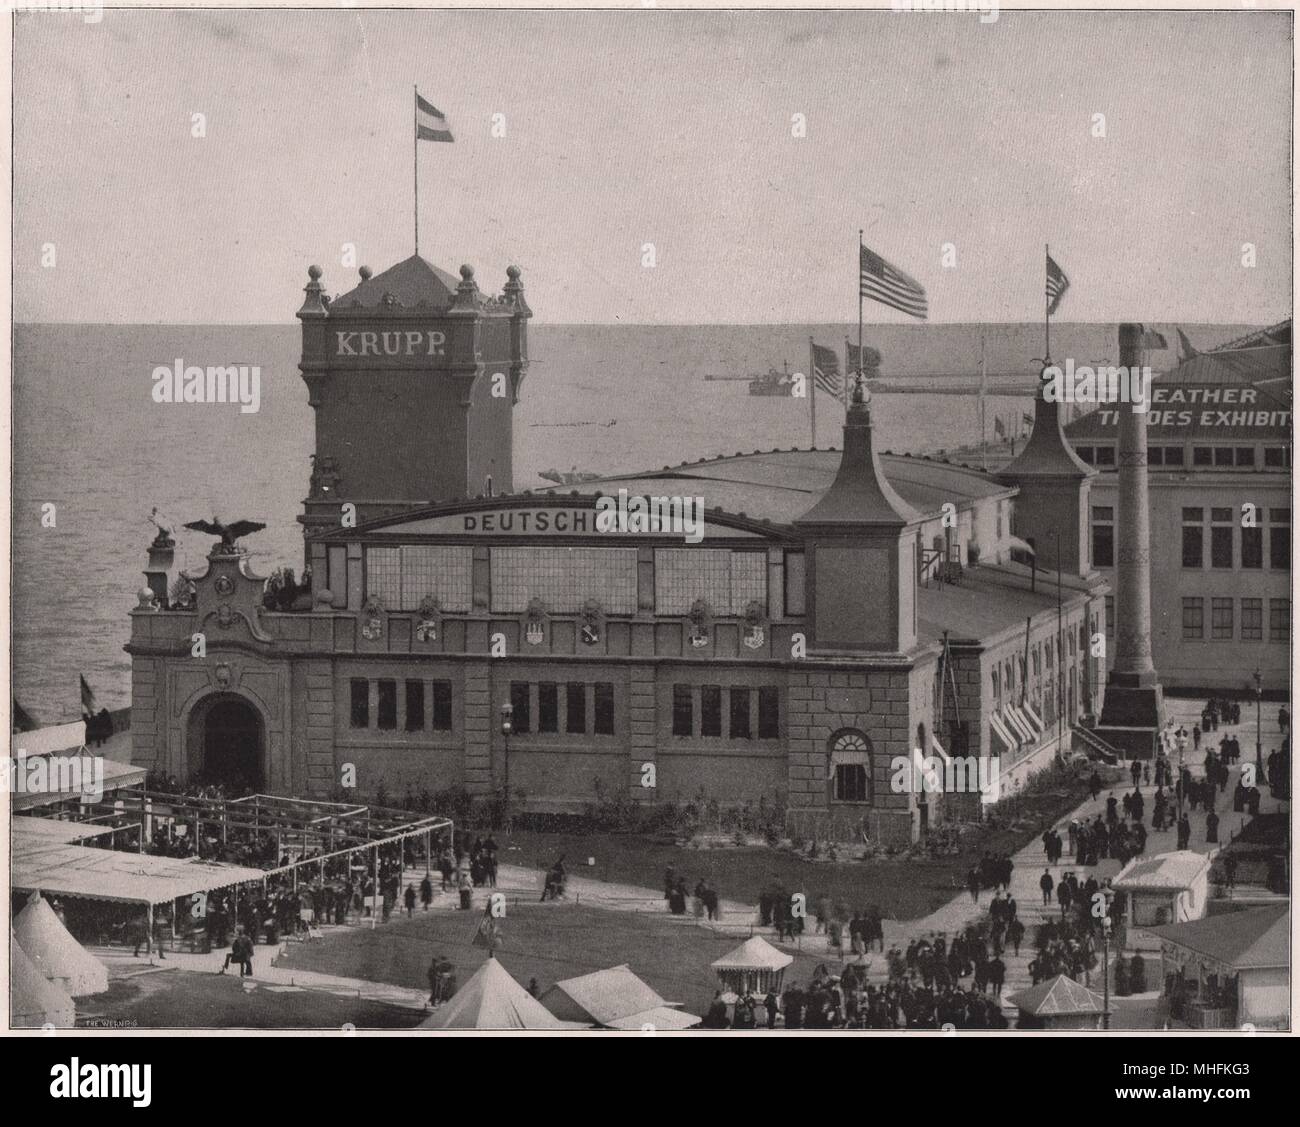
(231,740)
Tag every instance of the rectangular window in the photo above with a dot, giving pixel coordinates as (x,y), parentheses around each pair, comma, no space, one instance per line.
(729,581)
(1279,620)
(1221,546)
(604,708)
(575,708)
(387,717)
(360,710)
(794,584)
(1110,616)
(521,716)
(1193,619)
(683,711)
(1087,454)
(1223,455)
(1221,516)
(1221,619)
(1174,456)
(336,574)
(563,578)
(1202,456)
(1252,547)
(548,707)
(442,706)
(710,710)
(1277,457)
(1279,539)
(1244,456)
(769,712)
(1252,620)
(403,577)
(1103,536)
(1193,546)
(1105,456)
(739,720)
(415,706)
(850,782)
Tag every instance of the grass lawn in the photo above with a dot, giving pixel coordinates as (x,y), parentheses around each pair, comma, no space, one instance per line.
(181,999)
(548,942)
(904,889)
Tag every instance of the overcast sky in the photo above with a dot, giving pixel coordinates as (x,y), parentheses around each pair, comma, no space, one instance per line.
(636,127)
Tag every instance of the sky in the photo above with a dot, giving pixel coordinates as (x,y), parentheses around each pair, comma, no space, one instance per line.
(672,129)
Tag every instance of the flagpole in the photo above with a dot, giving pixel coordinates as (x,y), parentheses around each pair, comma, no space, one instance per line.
(860,246)
(812,391)
(1047,306)
(984,454)
(415,160)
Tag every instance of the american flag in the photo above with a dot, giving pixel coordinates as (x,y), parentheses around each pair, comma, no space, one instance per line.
(826,370)
(1057,284)
(890,286)
(868,362)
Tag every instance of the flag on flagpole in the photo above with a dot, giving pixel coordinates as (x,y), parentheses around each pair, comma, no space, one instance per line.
(888,285)
(868,362)
(89,706)
(1026,423)
(1186,350)
(430,123)
(999,430)
(826,371)
(1057,284)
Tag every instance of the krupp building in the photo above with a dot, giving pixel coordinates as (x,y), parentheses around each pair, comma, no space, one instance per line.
(782,626)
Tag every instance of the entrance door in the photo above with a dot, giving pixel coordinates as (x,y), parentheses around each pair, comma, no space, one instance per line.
(233,746)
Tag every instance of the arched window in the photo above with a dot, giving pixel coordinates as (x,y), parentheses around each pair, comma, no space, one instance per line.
(487,486)
(850,766)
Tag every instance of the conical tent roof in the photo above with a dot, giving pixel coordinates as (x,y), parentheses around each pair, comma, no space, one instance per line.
(1058,997)
(34,1000)
(756,953)
(55,953)
(491,999)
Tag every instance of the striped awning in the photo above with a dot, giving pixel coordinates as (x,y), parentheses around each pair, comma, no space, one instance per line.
(1033,717)
(1019,724)
(1009,742)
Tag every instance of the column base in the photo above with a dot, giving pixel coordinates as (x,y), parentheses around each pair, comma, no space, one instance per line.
(1131,719)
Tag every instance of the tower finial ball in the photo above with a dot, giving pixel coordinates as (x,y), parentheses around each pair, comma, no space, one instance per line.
(467,271)
(314,273)
(512,272)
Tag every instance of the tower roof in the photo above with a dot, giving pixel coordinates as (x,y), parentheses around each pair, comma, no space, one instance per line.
(860,493)
(1047,453)
(412,283)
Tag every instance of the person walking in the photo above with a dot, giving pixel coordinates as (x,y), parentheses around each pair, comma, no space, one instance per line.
(1046,883)
(426,892)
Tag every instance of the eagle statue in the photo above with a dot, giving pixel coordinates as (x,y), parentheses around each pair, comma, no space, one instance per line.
(229,533)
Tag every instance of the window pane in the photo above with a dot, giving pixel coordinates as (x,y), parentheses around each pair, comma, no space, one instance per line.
(521,718)
(1279,546)
(1221,516)
(1193,516)
(1105,455)
(360,704)
(1086,453)
(1221,547)
(548,707)
(1252,547)
(1156,456)
(1245,456)
(727,580)
(384,576)
(1193,619)
(1103,545)
(1252,620)
(604,708)
(442,706)
(1174,456)
(1223,455)
(710,710)
(564,579)
(1275,457)
(1110,616)
(1193,549)
(446,573)
(1202,456)
(387,717)
(575,704)
(415,706)
(769,712)
(1279,620)
(1221,618)
(794,583)
(739,728)
(683,719)
(851,782)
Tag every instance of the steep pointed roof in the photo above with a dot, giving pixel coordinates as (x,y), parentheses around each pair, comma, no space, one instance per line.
(411,283)
(1058,997)
(492,999)
(1048,452)
(756,953)
(860,493)
(34,1000)
(55,953)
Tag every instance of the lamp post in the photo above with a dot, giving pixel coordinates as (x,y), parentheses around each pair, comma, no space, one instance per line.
(1105,967)
(1259,703)
(507,711)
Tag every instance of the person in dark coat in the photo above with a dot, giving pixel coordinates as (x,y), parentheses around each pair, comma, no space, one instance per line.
(408,899)
(426,892)
(772,1006)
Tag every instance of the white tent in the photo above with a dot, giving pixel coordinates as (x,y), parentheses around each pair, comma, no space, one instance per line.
(491,999)
(34,1000)
(615,999)
(55,953)
(755,966)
